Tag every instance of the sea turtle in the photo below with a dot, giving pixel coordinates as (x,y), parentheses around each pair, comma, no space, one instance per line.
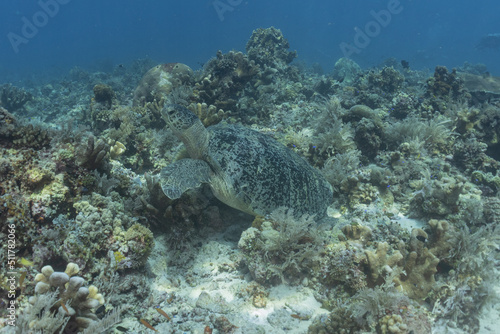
(245,169)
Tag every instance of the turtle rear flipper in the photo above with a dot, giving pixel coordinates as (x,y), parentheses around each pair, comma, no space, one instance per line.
(182,175)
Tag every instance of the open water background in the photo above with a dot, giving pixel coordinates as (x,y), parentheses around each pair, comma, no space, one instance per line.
(100,34)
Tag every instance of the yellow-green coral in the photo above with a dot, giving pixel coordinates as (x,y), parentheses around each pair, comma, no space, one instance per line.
(138,241)
(116,149)
(119,257)
(208,114)
(420,266)
(380,263)
(36,176)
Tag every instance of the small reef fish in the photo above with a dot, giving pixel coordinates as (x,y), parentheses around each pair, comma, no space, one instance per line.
(100,310)
(26,262)
(145,323)
(163,313)
(64,307)
(296,316)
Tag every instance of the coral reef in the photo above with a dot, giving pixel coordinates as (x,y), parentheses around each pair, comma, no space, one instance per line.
(22,136)
(104,94)
(437,197)
(482,88)
(488,130)
(420,265)
(279,249)
(63,304)
(223,79)
(94,154)
(269,48)
(208,114)
(338,321)
(379,310)
(380,263)
(403,105)
(346,71)
(101,225)
(444,83)
(31,136)
(410,244)
(387,80)
(13,98)
(160,80)
(368,129)
(339,264)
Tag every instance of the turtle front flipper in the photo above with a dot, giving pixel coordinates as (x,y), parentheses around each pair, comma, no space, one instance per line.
(182,175)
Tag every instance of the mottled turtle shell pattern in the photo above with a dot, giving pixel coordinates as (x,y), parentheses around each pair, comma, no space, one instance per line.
(265,174)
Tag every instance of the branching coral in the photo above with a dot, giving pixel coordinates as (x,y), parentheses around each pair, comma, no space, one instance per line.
(208,114)
(411,270)
(116,148)
(62,293)
(442,238)
(380,263)
(420,265)
(31,136)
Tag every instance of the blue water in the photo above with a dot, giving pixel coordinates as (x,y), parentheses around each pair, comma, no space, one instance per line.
(55,35)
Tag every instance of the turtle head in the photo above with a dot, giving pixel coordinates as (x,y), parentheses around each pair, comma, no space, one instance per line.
(178,118)
(188,128)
